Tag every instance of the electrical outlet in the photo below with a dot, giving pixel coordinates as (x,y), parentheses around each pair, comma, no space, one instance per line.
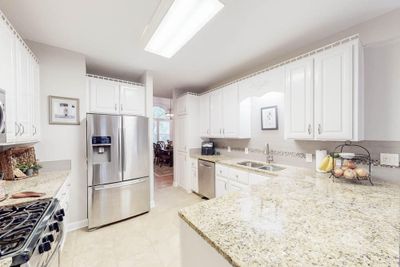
(246,150)
(390,159)
(308,157)
(229,149)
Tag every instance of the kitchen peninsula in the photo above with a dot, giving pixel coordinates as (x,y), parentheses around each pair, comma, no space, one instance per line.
(296,218)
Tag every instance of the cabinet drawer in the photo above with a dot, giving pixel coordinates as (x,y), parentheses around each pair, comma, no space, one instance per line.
(221,170)
(239,176)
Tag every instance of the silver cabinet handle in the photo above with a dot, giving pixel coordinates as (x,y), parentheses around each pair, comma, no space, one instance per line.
(122,107)
(223,131)
(115,107)
(225,186)
(23,129)
(17,128)
(34,130)
(309,129)
(319,128)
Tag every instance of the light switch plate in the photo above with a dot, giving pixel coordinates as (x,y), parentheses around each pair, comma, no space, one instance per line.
(308,157)
(246,150)
(229,149)
(390,159)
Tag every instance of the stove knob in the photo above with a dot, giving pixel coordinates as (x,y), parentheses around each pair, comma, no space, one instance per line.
(46,246)
(61,212)
(54,227)
(48,238)
(59,218)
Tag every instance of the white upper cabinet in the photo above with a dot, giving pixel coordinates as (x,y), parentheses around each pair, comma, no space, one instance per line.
(230,111)
(113,97)
(19,78)
(104,96)
(299,100)
(334,94)
(132,99)
(204,116)
(216,114)
(326,103)
(36,100)
(24,93)
(229,115)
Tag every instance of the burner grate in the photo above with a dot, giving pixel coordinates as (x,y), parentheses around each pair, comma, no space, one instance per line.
(17,222)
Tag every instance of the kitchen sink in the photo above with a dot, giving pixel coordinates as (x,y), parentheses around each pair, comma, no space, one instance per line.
(251,164)
(261,166)
(272,168)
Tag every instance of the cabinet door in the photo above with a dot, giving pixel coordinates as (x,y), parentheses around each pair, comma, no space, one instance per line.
(36,103)
(181,169)
(181,105)
(194,175)
(205,115)
(132,99)
(230,113)
(299,100)
(104,96)
(24,92)
(7,78)
(334,94)
(221,186)
(216,114)
(180,135)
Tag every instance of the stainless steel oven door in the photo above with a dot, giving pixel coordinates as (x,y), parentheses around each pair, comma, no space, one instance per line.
(114,202)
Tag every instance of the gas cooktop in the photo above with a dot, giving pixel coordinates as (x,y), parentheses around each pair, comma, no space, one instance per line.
(18,222)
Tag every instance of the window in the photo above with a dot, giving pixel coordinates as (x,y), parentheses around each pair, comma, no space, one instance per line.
(161,125)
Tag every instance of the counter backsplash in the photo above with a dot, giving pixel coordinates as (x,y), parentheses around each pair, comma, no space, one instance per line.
(295,154)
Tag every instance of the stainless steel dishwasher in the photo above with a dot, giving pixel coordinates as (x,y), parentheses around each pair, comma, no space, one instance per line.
(207,178)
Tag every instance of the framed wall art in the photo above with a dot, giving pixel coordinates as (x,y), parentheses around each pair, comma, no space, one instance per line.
(269,118)
(63,110)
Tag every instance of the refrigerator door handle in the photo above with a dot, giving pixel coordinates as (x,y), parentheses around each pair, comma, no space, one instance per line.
(123,152)
(116,185)
(120,154)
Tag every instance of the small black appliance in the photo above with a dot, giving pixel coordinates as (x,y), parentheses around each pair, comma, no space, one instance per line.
(207,148)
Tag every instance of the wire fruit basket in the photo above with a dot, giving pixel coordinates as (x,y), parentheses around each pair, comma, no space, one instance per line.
(350,155)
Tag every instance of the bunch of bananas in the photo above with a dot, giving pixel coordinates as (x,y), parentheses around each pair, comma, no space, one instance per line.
(327,164)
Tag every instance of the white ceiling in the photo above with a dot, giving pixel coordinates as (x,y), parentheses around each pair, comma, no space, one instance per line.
(243,34)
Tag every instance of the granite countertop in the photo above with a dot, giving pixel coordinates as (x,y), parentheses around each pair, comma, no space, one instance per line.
(46,182)
(212,158)
(300,218)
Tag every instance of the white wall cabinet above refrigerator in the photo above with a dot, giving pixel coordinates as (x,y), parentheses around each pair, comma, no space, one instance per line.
(224,114)
(113,97)
(324,95)
(19,78)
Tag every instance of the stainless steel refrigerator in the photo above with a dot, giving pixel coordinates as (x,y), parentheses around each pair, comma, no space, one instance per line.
(118,167)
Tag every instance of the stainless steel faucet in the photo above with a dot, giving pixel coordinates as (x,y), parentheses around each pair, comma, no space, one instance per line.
(269,158)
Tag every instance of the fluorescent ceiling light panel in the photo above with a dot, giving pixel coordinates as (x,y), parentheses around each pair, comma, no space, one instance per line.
(182,21)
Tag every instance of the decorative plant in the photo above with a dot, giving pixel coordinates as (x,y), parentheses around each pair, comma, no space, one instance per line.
(22,166)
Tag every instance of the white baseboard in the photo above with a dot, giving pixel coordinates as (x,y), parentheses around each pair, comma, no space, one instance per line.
(77,225)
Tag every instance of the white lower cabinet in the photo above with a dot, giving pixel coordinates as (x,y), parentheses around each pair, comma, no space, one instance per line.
(181,165)
(230,179)
(194,175)
(221,186)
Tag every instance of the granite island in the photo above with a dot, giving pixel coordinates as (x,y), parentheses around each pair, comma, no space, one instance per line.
(297,218)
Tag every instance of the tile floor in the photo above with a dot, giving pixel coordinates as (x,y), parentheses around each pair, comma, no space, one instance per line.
(148,240)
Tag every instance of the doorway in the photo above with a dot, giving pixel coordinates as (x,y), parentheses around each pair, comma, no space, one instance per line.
(163,147)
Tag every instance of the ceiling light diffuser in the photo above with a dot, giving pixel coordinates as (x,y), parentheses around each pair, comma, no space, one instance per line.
(182,21)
